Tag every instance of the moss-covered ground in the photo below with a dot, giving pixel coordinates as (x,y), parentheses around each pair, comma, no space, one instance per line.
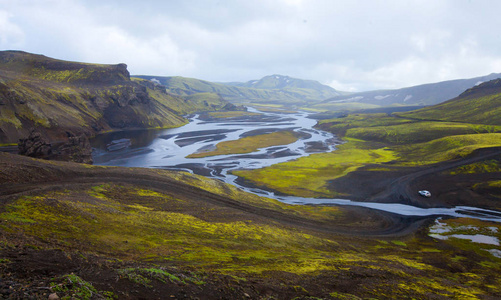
(249,144)
(171,232)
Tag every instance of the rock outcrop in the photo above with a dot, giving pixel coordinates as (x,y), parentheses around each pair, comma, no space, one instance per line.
(74,148)
(35,146)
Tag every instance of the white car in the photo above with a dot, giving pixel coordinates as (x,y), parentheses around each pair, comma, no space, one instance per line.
(425,193)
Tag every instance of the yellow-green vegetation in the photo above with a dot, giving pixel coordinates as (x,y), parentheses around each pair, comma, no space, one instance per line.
(479,105)
(267,93)
(159,230)
(375,139)
(415,132)
(141,229)
(250,144)
(446,148)
(482,237)
(61,96)
(73,287)
(231,114)
(362,120)
(344,106)
(489,166)
(307,176)
(144,276)
(147,225)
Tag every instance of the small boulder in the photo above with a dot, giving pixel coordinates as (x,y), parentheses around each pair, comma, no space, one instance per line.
(53,296)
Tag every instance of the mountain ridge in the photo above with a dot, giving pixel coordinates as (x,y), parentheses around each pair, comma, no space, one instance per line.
(480,104)
(266,90)
(277,81)
(424,94)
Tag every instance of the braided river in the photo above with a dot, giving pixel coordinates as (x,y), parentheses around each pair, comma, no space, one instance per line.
(169,148)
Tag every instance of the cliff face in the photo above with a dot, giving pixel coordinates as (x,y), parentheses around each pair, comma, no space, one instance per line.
(57,97)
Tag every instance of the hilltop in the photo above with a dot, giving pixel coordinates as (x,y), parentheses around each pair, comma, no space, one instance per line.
(274,89)
(62,98)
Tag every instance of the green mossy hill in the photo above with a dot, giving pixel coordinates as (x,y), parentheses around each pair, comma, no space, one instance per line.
(46,68)
(57,96)
(480,105)
(239,93)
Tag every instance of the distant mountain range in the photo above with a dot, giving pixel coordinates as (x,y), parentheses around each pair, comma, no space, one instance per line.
(425,94)
(273,89)
(288,91)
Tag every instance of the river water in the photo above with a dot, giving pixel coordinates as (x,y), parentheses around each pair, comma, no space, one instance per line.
(168,148)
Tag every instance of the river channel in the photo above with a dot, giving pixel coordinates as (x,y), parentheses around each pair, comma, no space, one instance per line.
(169,148)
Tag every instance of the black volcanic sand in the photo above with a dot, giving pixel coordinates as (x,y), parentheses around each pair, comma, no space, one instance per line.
(401,184)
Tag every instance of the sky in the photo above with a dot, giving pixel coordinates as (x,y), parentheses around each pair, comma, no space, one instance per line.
(351,45)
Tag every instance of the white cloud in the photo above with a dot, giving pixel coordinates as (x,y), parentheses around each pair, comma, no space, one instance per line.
(11,35)
(353,45)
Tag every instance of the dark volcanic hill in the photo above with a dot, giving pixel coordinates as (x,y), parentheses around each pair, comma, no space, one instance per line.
(426,94)
(274,89)
(480,104)
(57,97)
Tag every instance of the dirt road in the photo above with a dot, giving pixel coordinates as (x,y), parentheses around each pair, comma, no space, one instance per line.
(21,176)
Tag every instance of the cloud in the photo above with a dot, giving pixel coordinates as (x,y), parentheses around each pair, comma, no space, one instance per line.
(11,35)
(356,45)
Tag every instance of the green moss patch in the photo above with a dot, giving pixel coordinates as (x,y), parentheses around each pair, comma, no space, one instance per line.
(307,176)
(250,144)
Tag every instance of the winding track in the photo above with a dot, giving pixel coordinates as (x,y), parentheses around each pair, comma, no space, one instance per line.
(24,176)
(401,191)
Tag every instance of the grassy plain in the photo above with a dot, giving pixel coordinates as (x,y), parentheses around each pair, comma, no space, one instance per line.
(231,114)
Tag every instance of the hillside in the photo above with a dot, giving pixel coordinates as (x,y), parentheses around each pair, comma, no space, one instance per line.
(426,94)
(58,96)
(275,89)
(92,232)
(480,104)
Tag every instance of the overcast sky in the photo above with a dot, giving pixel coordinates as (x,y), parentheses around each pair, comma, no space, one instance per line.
(350,45)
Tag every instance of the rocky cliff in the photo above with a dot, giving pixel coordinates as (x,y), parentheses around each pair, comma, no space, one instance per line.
(56,97)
